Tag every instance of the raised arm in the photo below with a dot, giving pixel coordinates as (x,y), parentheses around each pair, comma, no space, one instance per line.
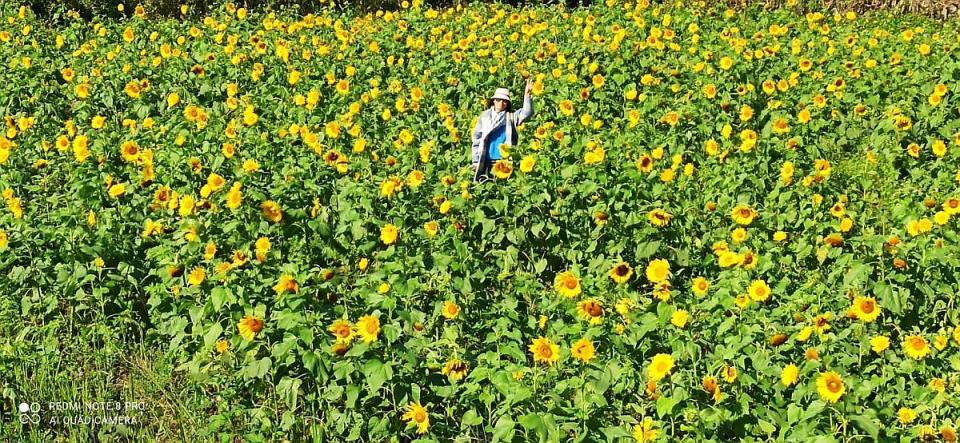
(526,111)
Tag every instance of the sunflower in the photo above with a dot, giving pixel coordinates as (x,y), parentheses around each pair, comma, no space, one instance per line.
(948,433)
(759,291)
(743,215)
(738,235)
(658,270)
(133,89)
(601,218)
(729,258)
(129,151)
(781,126)
(700,286)
(285,284)
(866,308)
(567,284)
(527,164)
(940,342)
(544,351)
(502,169)
(662,291)
(222,346)
(621,272)
(789,375)
(787,170)
(417,415)
(710,90)
(415,178)
(660,366)
(726,63)
(916,347)
(906,415)
(879,343)
(332,129)
(822,322)
(730,374)
(591,310)
(234,196)
(902,122)
(368,327)
(938,385)
(343,86)
(197,275)
(645,431)
(455,369)
(450,310)
(250,326)
(644,163)
(583,350)
(431,228)
(837,210)
(679,318)
(117,190)
(271,211)
(388,234)
(952,206)
(830,386)
(342,330)
(332,157)
(594,156)
(659,217)
(709,384)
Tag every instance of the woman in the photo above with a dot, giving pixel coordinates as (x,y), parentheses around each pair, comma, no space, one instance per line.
(497,126)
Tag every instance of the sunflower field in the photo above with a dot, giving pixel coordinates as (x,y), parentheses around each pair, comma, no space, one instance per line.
(717,226)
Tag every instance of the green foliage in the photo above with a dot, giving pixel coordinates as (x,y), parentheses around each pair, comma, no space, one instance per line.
(235,208)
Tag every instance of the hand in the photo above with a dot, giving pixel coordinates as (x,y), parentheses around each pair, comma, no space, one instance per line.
(529,87)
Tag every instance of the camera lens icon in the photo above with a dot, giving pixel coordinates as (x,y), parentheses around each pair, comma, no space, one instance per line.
(29,413)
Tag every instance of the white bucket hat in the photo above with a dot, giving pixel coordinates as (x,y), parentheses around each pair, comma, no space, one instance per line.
(502,93)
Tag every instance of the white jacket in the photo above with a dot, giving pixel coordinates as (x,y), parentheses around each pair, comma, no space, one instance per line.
(485,125)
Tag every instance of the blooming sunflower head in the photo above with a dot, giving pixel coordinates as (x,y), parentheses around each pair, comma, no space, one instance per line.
(700,286)
(590,310)
(658,270)
(388,234)
(621,272)
(743,215)
(544,351)
(416,415)
(271,211)
(866,308)
(450,310)
(342,330)
(583,350)
(830,386)
(645,431)
(916,347)
(286,283)
(759,290)
(455,369)
(645,163)
(660,366)
(567,284)
(368,327)
(250,326)
(659,217)
(502,169)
